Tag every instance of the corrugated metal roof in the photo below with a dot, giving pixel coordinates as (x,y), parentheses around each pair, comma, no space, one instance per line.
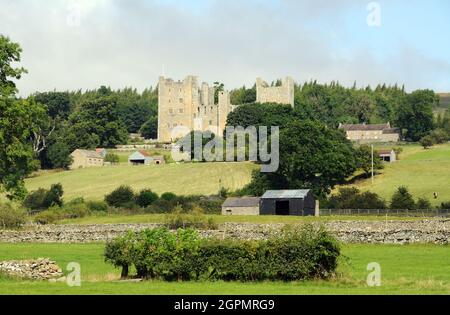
(242,202)
(285,194)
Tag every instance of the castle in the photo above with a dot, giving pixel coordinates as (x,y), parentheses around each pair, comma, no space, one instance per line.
(186,105)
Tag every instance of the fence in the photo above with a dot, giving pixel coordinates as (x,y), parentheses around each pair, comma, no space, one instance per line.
(385,212)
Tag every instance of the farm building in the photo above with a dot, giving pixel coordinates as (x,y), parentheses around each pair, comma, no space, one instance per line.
(101,151)
(85,158)
(387,155)
(366,133)
(144,158)
(241,206)
(288,202)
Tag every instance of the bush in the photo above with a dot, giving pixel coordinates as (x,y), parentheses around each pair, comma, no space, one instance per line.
(445,205)
(439,136)
(112,158)
(402,200)
(49,216)
(294,254)
(427,141)
(196,219)
(146,197)
(97,206)
(352,198)
(423,204)
(120,197)
(42,199)
(168,196)
(11,217)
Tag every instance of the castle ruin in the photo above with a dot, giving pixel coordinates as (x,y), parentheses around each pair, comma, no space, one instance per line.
(186,105)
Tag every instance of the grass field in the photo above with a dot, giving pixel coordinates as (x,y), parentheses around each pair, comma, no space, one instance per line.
(422,171)
(183,179)
(411,269)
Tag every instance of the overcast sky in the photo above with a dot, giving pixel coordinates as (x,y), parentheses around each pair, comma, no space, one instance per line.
(83,44)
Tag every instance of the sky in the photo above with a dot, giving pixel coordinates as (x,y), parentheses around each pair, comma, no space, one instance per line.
(83,44)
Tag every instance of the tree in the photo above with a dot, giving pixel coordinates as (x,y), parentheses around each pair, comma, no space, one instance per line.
(364,160)
(58,155)
(427,141)
(311,156)
(112,158)
(9,54)
(402,200)
(149,129)
(57,103)
(415,114)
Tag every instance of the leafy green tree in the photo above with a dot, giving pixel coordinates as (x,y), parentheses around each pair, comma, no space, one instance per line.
(149,129)
(112,158)
(311,156)
(58,103)
(58,155)
(364,160)
(9,55)
(423,204)
(402,200)
(415,114)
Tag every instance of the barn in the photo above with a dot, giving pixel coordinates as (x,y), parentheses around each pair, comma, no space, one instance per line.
(241,206)
(299,202)
(140,158)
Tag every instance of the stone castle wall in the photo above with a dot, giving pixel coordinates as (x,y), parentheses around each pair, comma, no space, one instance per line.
(283,94)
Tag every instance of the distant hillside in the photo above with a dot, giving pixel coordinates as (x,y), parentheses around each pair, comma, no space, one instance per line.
(445,99)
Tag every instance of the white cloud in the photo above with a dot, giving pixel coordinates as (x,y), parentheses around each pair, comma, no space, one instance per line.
(129,43)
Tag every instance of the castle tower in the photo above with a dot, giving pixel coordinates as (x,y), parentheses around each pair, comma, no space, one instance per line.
(283,94)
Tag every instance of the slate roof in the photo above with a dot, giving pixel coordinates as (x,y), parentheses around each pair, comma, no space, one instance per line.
(242,202)
(286,194)
(366,127)
(89,154)
(385,152)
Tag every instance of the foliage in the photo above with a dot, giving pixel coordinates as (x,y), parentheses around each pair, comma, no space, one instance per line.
(423,204)
(196,219)
(427,141)
(352,198)
(295,254)
(58,103)
(402,200)
(146,197)
(49,216)
(120,197)
(59,156)
(445,205)
(311,156)
(168,196)
(415,114)
(364,160)
(11,217)
(149,130)
(43,199)
(9,55)
(112,158)
(97,206)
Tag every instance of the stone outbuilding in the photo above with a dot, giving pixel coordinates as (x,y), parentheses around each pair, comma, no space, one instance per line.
(85,158)
(367,133)
(387,155)
(241,206)
(299,202)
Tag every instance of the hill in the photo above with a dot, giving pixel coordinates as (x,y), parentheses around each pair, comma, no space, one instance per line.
(183,179)
(422,171)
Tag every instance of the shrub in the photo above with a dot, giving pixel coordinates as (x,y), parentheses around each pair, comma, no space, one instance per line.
(112,158)
(123,195)
(196,219)
(146,197)
(352,198)
(42,199)
(427,141)
(294,254)
(11,217)
(168,196)
(423,204)
(97,206)
(49,216)
(445,205)
(439,136)
(402,200)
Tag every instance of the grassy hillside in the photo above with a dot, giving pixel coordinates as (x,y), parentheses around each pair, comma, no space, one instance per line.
(199,178)
(422,171)
(412,269)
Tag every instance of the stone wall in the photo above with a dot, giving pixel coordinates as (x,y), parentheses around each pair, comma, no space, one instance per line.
(283,94)
(390,232)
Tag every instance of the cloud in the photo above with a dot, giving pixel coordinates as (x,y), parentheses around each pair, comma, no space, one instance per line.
(130,43)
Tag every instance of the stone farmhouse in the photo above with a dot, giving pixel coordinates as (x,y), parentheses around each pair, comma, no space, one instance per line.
(187,105)
(86,158)
(367,133)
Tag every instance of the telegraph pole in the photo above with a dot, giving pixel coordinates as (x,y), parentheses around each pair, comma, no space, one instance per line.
(372,163)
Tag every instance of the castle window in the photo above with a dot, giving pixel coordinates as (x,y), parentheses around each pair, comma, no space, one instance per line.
(181,100)
(170,111)
(210,122)
(180,111)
